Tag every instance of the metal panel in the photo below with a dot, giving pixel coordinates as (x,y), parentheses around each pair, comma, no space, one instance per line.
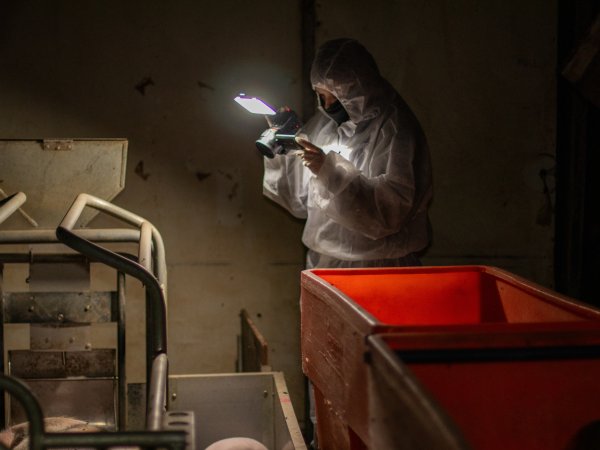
(60,337)
(96,405)
(58,276)
(254,405)
(136,406)
(61,171)
(287,431)
(36,364)
(226,406)
(59,307)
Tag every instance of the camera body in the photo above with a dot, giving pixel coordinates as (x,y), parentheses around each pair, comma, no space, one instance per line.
(280,137)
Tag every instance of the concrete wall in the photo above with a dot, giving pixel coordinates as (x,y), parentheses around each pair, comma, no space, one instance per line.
(479,75)
(481,78)
(76,69)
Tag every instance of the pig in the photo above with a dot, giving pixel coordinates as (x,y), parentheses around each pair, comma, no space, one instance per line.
(236,443)
(17,436)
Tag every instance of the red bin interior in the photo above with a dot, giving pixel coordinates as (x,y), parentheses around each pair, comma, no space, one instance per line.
(536,404)
(451,296)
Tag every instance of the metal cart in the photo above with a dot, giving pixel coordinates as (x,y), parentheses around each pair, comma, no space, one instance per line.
(55,337)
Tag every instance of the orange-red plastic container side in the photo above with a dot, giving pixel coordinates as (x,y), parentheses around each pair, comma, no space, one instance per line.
(478,309)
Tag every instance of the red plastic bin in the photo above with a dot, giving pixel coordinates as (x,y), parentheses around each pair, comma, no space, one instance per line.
(532,390)
(431,307)
(402,414)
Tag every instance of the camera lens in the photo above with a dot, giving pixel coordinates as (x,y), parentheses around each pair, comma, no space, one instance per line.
(266,144)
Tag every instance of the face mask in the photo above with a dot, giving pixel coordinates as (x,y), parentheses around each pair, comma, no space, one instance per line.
(337,112)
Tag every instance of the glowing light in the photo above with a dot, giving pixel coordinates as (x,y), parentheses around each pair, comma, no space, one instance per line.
(255,105)
(337,148)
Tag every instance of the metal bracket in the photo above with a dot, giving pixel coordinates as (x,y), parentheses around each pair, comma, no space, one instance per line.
(57,144)
(58,307)
(181,421)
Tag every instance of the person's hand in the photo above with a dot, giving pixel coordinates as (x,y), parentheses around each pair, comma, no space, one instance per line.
(312,156)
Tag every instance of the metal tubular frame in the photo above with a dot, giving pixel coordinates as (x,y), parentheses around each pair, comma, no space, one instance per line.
(31,258)
(156,321)
(39,440)
(156,290)
(49,236)
(10,204)
(84,200)
(157,398)
(122,373)
(122,264)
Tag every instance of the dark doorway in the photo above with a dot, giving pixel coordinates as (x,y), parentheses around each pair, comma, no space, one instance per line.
(577,246)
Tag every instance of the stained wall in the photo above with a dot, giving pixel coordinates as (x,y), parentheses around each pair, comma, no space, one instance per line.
(479,75)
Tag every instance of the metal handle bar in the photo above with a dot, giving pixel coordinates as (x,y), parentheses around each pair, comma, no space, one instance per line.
(157,393)
(84,200)
(125,265)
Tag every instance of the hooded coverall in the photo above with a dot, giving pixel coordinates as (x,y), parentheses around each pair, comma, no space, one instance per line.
(368,204)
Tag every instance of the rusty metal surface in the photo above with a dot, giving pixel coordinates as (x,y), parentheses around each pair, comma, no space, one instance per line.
(59,307)
(66,337)
(95,166)
(54,364)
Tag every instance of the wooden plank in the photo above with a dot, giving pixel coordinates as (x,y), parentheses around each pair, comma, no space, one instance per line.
(254,348)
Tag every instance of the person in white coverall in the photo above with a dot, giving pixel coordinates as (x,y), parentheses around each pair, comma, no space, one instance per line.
(363,181)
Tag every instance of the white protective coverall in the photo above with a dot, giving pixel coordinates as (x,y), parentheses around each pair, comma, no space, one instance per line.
(368,204)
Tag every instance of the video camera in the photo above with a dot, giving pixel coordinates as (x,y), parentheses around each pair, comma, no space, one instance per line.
(284,125)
